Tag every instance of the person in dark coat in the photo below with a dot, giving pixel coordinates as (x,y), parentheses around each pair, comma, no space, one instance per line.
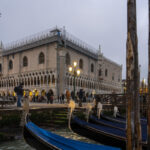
(62,98)
(19,91)
(80,97)
(50,96)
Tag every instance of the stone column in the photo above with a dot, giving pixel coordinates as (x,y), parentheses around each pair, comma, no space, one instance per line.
(62,72)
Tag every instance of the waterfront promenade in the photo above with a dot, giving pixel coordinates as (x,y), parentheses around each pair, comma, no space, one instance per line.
(40,105)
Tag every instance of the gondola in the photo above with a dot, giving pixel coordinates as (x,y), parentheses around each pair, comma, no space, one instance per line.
(113,119)
(120,119)
(101,133)
(118,116)
(42,139)
(119,125)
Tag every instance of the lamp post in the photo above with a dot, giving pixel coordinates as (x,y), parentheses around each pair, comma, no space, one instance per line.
(143,86)
(75,72)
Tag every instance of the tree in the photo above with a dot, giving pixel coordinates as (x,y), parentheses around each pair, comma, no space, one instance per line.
(132,76)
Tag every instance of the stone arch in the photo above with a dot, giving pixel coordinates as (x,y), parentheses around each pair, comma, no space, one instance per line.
(35,81)
(25,81)
(28,81)
(42,81)
(45,79)
(38,80)
(49,79)
(32,81)
(53,79)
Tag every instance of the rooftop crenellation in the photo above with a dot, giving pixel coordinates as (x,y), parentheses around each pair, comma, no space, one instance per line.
(48,34)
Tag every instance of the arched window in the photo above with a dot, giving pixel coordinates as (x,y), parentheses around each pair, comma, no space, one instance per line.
(100,72)
(38,81)
(45,79)
(41,80)
(113,76)
(10,65)
(41,58)
(68,59)
(28,81)
(49,79)
(35,83)
(81,64)
(25,61)
(53,79)
(106,72)
(31,81)
(92,68)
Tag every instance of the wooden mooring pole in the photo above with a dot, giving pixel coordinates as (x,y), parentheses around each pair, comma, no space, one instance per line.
(132,76)
(148,108)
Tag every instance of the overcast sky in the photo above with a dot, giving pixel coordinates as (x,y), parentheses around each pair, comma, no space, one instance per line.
(96,22)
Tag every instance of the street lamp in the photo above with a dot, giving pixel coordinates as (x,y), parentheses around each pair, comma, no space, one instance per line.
(144,86)
(75,72)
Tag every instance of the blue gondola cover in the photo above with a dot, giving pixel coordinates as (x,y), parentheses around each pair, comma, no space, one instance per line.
(64,143)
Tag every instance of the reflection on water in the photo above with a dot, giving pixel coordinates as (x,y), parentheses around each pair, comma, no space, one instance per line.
(21,144)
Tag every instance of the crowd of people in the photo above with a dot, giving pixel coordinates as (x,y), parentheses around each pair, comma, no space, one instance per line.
(79,97)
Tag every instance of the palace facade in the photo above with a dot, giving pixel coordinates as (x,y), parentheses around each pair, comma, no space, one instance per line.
(41,63)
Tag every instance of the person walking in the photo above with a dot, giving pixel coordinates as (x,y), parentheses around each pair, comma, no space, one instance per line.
(62,98)
(68,96)
(19,91)
(48,96)
(80,97)
(51,96)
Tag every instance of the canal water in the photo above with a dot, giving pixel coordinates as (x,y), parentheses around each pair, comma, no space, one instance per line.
(20,144)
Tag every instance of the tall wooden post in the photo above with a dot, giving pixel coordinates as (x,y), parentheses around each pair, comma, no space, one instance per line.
(148,109)
(132,76)
(129,78)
